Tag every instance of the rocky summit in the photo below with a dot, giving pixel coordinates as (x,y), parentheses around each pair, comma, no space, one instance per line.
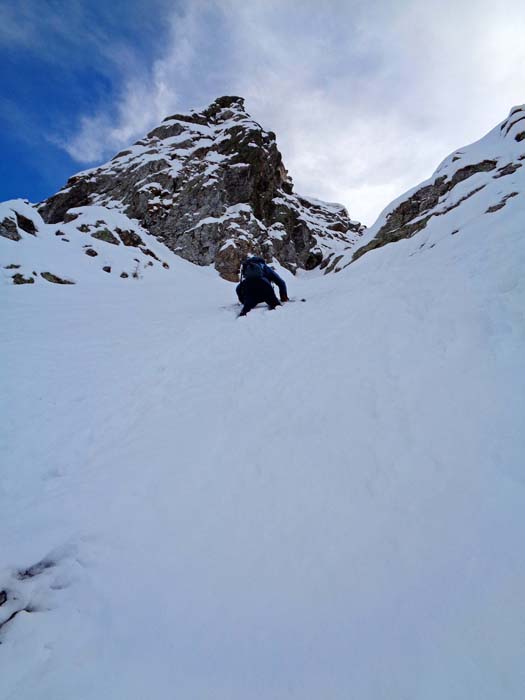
(212,187)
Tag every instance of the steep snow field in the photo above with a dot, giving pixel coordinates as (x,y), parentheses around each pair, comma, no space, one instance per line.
(324,501)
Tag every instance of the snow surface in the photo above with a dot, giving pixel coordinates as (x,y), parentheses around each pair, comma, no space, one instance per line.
(323,501)
(61,248)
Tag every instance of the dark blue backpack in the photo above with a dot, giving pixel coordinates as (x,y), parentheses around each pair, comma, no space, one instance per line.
(252,269)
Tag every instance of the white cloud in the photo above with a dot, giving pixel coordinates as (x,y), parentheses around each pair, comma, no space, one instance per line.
(147,96)
(373,113)
(365,99)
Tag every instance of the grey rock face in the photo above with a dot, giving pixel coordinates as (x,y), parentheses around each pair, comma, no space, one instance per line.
(413,214)
(212,187)
(9,229)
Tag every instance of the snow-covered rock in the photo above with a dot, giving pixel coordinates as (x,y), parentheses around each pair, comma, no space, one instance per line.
(212,186)
(485,179)
(93,243)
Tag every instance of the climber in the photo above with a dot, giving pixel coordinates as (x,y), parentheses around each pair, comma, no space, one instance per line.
(256,285)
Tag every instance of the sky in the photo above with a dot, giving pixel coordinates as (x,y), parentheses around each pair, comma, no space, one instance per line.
(366,98)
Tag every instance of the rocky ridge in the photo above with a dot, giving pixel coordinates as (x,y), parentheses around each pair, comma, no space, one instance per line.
(212,187)
(477,180)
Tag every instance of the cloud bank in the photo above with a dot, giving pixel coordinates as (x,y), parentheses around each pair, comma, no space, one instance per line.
(366,98)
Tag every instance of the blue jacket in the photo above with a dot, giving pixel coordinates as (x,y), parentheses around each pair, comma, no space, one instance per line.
(272,276)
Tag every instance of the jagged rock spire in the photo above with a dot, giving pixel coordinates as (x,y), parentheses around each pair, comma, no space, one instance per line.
(211,185)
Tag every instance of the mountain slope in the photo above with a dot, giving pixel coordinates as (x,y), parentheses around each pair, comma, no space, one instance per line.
(326,500)
(471,184)
(212,186)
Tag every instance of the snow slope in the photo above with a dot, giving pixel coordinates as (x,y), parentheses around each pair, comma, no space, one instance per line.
(97,245)
(326,500)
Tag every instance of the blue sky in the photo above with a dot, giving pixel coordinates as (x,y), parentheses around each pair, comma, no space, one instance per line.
(366,98)
(60,61)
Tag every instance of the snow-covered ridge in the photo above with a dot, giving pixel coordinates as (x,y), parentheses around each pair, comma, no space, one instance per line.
(484,179)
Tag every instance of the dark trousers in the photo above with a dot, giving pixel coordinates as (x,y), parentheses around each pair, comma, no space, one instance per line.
(254,291)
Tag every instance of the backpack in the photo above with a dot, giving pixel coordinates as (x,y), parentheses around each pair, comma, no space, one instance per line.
(252,269)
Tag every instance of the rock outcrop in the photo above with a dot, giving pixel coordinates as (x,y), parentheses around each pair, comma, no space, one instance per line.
(212,187)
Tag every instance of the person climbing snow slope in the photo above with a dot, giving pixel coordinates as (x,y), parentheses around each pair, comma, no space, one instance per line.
(256,285)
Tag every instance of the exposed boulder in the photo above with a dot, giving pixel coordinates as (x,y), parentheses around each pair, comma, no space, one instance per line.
(9,229)
(106,236)
(50,277)
(130,238)
(18,278)
(25,224)
(13,223)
